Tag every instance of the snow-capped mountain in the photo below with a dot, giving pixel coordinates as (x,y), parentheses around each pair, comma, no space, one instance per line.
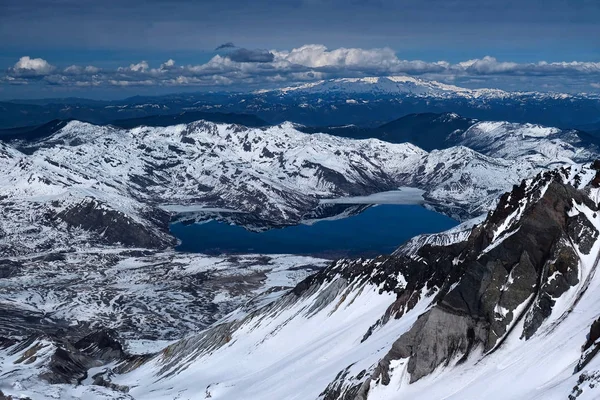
(390,85)
(509,310)
(85,183)
(406,85)
(530,141)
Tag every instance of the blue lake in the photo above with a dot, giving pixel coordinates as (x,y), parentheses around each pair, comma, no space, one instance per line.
(378,230)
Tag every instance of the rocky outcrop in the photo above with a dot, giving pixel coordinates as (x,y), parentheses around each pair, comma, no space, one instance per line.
(9,268)
(71,361)
(512,267)
(5,397)
(591,347)
(115,227)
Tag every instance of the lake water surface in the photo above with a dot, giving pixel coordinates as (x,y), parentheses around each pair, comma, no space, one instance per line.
(378,230)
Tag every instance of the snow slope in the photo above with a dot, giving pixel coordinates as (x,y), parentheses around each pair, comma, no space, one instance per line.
(535,143)
(506,312)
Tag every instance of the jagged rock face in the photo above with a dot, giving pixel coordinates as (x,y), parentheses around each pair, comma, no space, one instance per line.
(436,338)
(531,266)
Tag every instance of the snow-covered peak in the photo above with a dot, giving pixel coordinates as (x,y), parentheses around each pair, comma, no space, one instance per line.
(495,129)
(529,141)
(402,85)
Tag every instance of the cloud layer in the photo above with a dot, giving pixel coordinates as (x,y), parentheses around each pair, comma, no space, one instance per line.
(239,68)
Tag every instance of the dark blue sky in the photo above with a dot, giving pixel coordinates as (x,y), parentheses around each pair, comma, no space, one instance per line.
(107,35)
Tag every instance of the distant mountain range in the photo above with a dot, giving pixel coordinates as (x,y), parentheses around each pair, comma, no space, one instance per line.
(366,102)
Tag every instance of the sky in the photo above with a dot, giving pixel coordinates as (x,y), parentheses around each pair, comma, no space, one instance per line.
(114,49)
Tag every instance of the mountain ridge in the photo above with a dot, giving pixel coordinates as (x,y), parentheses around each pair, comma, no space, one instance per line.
(276,173)
(366,102)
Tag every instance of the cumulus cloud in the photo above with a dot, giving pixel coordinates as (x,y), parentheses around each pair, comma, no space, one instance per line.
(259,68)
(167,65)
(316,56)
(79,70)
(228,45)
(139,67)
(30,67)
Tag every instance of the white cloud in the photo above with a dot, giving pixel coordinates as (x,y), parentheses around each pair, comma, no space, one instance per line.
(315,56)
(487,65)
(139,67)
(27,66)
(169,64)
(595,85)
(79,70)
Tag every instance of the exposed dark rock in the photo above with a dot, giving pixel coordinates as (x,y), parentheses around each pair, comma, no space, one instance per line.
(591,346)
(345,387)
(587,380)
(9,268)
(70,362)
(114,226)
(6,397)
(99,380)
(582,232)
(102,345)
(482,290)
(559,274)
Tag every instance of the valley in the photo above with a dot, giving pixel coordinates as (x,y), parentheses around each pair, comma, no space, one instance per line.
(141,263)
